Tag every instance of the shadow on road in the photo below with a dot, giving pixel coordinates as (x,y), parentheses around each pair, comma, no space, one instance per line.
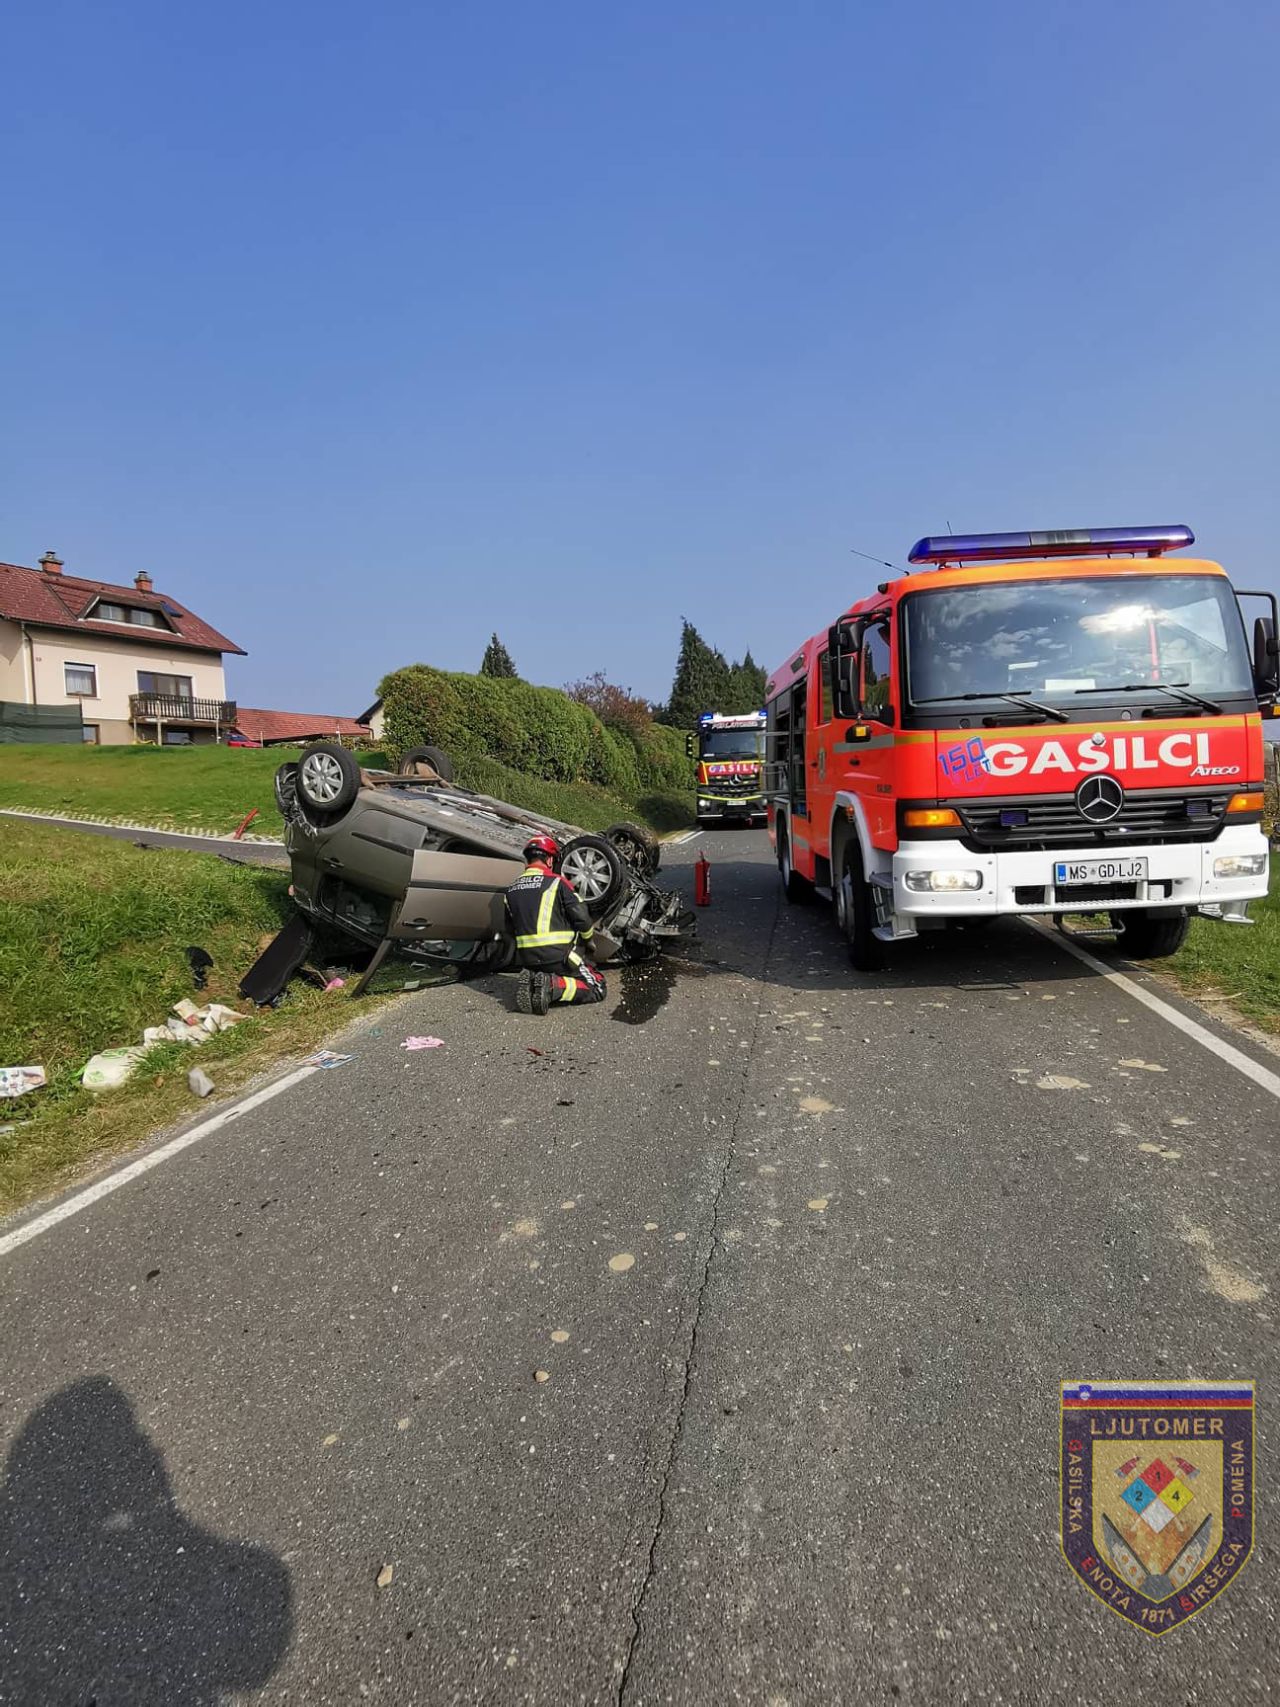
(109,1595)
(995,956)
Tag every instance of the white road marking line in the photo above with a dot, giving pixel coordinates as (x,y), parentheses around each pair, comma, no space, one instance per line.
(113,1182)
(688,836)
(58,821)
(1201,1034)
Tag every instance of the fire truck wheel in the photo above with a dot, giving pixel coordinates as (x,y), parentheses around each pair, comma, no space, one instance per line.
(856,914)
(796,888)
(1144,938)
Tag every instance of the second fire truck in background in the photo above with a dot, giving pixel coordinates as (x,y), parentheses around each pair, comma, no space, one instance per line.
(730,754)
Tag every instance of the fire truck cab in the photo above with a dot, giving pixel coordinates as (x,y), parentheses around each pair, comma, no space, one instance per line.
(1045,723)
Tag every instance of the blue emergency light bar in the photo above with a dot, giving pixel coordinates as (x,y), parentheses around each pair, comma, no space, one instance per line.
(1092,542)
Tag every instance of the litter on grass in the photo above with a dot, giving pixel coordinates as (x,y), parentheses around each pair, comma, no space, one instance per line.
(110,1068)
(423,1043)
(200,961)
(186,1024)
(327,1058)
(17,1081)
(200,1082)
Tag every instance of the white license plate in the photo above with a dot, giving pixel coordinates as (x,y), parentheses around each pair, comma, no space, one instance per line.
(1069,871)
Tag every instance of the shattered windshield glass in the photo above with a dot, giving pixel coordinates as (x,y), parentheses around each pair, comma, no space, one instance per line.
(1056,639)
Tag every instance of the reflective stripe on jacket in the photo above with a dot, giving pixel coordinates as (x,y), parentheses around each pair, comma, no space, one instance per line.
(546,917)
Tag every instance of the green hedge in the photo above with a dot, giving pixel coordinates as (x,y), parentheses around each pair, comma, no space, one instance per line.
(540,732)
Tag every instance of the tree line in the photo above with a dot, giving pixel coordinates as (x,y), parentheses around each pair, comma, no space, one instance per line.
(704,680)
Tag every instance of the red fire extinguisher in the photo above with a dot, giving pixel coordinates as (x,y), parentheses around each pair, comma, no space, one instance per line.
(702,881)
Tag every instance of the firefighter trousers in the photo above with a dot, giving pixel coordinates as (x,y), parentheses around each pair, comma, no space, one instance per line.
(577,980)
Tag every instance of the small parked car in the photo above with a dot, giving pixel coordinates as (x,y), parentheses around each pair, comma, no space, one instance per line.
(411,859)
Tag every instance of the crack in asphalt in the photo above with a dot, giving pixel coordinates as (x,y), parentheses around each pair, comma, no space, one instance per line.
(673,1445)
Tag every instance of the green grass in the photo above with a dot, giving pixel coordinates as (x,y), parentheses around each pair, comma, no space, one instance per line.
(212,788)
(1237,962)
(197,788)
(92,935)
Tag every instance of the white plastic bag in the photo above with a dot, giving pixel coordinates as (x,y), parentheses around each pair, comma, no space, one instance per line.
(110,1069)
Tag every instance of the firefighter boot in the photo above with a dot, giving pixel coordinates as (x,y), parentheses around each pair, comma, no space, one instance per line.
(524,993)
(541,993)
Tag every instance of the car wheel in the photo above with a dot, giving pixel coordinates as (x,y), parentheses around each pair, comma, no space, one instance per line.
(1144,938)
(596,870)
(638,846)
(796,888)
(440,762)
(856,914)
(328,777)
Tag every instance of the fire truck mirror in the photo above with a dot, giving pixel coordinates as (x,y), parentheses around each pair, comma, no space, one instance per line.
(1266,655)
(842,661)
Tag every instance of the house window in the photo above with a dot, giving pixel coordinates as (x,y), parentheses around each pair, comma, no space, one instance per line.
(132,614)
(90,734)
(81,680)
(164,687)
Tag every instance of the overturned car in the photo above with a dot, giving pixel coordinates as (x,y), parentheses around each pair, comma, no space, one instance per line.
(412,862)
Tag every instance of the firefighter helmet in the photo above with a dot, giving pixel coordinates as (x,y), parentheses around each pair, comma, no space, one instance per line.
(545,847)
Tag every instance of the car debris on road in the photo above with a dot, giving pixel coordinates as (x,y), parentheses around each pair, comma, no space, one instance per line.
(412,861)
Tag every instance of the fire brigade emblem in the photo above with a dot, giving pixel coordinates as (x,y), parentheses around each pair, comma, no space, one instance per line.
(1157,1493)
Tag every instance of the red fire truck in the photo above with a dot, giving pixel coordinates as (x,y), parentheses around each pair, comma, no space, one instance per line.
(1051,723)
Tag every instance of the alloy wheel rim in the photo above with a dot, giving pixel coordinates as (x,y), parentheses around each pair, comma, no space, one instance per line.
(324,777)
(589,871)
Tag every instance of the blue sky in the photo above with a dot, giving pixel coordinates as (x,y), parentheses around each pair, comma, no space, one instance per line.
(367,330)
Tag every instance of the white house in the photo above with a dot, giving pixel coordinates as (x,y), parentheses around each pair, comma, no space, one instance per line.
(139,664)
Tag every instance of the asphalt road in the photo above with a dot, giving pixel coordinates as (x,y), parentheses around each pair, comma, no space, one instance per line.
(804,1257)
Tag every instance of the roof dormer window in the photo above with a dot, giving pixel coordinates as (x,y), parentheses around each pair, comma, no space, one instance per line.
(134,615)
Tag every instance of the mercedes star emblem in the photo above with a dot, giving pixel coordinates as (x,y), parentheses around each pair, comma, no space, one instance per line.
(1099,799)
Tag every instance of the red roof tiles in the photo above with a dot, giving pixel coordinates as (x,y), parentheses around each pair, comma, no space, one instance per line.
(294,725)
(60,601)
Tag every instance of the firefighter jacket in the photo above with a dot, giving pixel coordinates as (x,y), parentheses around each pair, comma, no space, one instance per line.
(547,918)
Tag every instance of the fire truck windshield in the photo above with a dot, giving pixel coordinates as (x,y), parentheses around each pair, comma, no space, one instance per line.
(1088,635)
(730,744)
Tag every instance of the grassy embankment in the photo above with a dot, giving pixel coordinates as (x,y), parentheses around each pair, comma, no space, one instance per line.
(213,788)
(92,934)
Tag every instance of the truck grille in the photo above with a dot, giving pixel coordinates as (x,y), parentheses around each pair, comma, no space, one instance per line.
(730,786)
(1052,821)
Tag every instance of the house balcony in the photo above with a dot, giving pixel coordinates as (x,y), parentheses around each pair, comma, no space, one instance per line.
(182,713)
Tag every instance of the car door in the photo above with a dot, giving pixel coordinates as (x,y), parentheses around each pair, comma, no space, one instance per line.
(455,897)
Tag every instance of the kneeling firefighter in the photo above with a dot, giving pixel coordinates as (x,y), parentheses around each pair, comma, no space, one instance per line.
(549,923)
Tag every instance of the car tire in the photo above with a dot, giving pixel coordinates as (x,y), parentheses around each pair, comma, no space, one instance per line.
(796,888)
(856,914)
(328,778)
(596,870)
(1143,938)
(440,762)
(638,846)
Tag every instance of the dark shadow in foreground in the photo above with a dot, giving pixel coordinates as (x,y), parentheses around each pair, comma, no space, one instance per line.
(109,1595)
